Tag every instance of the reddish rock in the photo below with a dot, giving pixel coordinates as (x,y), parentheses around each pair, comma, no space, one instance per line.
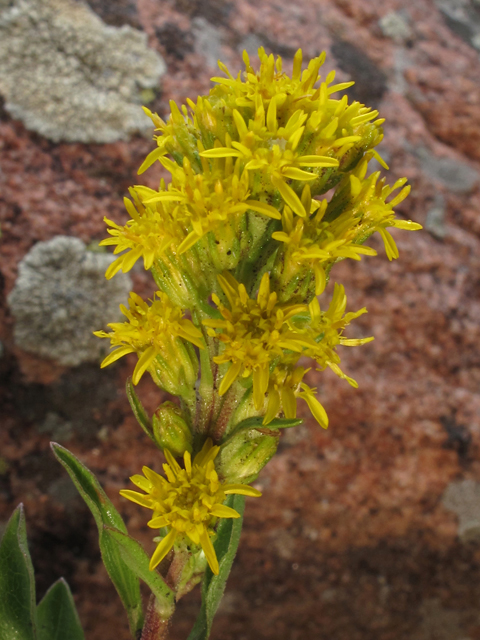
(350,539)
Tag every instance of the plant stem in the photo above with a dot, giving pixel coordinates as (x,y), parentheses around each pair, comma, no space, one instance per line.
(156,626)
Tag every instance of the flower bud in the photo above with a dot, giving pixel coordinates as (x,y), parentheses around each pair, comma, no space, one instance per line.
(170,429)
(177,373)
(245,453)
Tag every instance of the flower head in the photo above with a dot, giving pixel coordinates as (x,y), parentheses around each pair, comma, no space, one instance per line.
(156,333)
(255,332)
(327,327)
(188,501)
(149,233)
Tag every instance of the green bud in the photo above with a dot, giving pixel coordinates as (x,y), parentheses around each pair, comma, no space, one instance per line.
(245,453)
(170,429)
(177,372)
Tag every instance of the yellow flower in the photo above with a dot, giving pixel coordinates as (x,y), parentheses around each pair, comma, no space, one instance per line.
(255,333)
(313,243)
(323,333)
(156,333)
(337,229)
(369,208)
(150,232)
(284,388)
(327,327)
(188,501)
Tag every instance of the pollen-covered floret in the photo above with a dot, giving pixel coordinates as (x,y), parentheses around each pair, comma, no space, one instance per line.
(188,501)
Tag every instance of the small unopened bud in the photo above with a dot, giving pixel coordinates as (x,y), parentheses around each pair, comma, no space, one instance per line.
(245,453)
(170,429)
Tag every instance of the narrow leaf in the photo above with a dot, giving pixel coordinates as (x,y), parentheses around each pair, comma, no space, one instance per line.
(226,544)
(138,410)
(257,423)
(17,585)
(57,617)
(138,561)
(124,579)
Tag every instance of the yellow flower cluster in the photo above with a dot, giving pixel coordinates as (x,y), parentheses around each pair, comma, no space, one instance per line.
(268,189)
(188,501)
(259,148)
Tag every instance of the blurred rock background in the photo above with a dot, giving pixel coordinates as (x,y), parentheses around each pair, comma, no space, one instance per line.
(368,530)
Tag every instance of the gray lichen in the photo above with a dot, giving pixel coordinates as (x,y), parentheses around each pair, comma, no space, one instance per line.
(61,296)
(395,25)
(463,498)
(69,76)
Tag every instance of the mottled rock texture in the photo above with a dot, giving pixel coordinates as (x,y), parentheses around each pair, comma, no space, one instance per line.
(68,76)
(60,297)
(351,539)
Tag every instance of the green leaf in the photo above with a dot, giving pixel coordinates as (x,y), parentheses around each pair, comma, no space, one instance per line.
(226,544)
(124,579)
(17,583)
(57,617)
(138,410)
(257,423)
(135,557)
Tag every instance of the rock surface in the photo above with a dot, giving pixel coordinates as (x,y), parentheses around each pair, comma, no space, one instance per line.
(352,537)
(68,76)
(60,297)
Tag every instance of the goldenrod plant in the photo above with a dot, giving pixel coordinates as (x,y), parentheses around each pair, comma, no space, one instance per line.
(269,188)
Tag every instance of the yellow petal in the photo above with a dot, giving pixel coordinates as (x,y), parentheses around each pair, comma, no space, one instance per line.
(273,407)
(130,258)
(115,355)
(241,490)
(222,511)
(150,159)
(158,522)
(188,242)
(172,462)
(187,459)
(209,551)
(193,535)
(320,280)
(390,246)
(316,408)
(201,455)
(240,124)
(317,161)
(143,363)
(289,402)
(298,174)
(141,482)
(114,268)
(290,197)
(162,549)
(263,207)
(264,290)
(260,385)
(407,224)
(230,377)
(221,152)
(136,497)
